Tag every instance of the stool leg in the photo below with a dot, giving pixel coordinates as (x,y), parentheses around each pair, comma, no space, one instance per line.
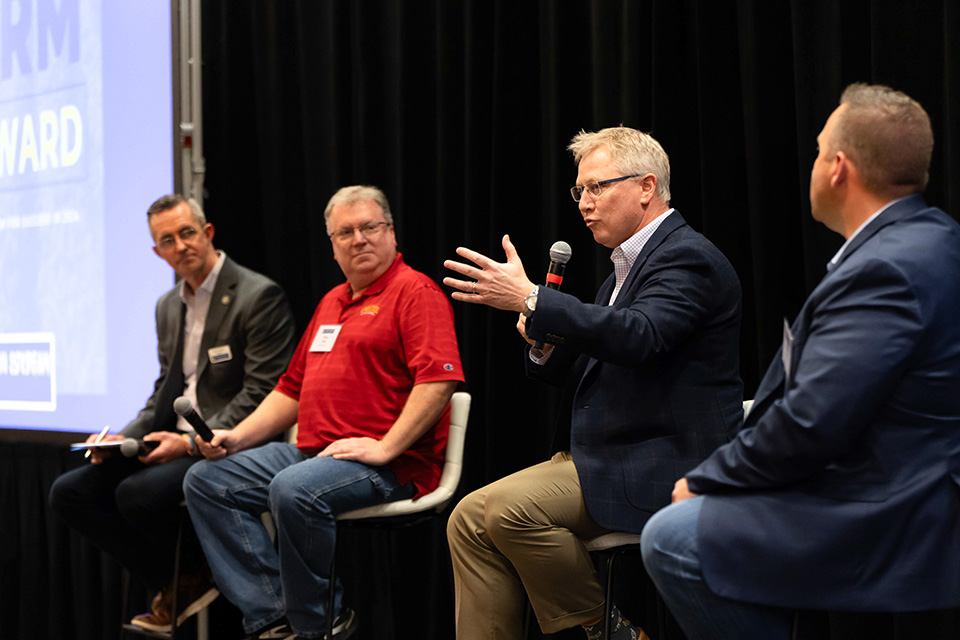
(203,624)
(125,600)
(176,576)
(608,595)
(333,591)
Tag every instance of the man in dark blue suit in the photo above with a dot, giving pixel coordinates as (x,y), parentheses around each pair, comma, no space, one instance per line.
(654,364)
(842,491)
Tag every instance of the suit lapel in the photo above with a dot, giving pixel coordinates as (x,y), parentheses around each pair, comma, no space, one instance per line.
(221,302)
(173,384)
(669,225)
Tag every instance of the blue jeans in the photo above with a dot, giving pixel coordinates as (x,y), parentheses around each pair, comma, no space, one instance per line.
(304,494)
(671,556)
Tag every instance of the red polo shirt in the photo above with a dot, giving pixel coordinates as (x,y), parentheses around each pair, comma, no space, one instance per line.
(398,333)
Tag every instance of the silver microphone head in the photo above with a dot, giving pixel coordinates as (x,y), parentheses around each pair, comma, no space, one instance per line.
(560,252)
(182,405)
(130,448)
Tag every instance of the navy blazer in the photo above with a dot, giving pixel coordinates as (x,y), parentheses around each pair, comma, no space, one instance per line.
(659,381)
(843,490)
(250,314)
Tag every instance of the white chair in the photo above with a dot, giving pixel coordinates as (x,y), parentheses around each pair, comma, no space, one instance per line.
(449,479)
(616,544)
(411,511)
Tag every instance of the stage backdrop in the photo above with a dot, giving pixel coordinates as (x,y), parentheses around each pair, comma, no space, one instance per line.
(461,112)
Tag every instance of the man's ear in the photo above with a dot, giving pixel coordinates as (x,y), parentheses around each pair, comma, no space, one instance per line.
(648,184)
(840,171)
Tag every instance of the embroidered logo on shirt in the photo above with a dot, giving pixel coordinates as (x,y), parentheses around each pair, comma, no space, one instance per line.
(448,367)
(370,310)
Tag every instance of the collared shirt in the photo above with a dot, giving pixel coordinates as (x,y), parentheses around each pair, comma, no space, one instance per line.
(623,258)
(397,334)
(836,258)
(198,304)
(626,254)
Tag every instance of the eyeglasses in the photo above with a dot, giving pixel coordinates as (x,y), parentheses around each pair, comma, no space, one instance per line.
(368,229)
(186,234)
(595,188)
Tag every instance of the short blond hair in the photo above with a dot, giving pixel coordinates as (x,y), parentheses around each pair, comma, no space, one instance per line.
(634,152)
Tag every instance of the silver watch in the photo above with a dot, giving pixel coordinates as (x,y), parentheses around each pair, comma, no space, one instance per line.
(530,302)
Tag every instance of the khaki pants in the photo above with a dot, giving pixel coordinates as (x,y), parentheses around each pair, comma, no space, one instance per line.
(522,533)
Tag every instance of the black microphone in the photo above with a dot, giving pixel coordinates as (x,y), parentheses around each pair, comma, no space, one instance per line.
(185,410)
(132,447)
(560,254)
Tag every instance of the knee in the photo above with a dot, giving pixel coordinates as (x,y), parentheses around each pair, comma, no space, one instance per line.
(290,498)
(196,482)
(463,522)
(78,494)
(669,534)
(505,516)
(62,496)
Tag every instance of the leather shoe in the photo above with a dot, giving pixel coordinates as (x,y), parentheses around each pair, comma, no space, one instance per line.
(196,592)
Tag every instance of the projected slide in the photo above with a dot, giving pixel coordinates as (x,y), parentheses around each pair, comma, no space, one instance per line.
(85,146)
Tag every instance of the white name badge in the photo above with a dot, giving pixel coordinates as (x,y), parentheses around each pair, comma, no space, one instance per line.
(326,337)
(220,354)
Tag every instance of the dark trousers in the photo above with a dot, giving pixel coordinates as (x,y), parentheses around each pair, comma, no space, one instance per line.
(130,511)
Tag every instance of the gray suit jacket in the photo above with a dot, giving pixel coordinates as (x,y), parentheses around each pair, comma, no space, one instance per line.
(249,313)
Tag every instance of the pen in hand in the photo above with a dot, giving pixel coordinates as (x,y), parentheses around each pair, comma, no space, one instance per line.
(99,438)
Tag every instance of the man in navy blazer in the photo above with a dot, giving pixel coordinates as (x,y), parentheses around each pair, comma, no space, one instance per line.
(842,491)
(655,367)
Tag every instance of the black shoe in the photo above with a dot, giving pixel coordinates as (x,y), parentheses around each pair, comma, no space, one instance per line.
(279,629)
(343,627)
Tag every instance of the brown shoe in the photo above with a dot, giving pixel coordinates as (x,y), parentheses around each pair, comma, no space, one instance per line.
(195,594)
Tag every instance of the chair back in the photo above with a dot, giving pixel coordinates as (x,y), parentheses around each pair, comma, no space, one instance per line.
(449,477)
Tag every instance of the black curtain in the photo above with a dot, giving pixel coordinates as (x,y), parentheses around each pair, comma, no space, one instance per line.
(461,110)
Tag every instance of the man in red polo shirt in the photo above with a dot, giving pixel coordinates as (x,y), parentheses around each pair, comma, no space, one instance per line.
(368,387)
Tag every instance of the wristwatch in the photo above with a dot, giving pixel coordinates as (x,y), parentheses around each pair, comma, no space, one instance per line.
(530,302)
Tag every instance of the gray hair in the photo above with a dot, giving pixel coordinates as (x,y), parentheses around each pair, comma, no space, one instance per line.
(358,193)
(634,152)
(165,203)
(887,135)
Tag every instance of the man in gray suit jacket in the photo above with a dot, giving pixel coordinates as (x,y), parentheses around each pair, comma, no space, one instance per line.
(225,334)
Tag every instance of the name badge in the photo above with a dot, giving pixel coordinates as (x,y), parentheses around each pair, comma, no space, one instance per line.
(326,337)
(219,354)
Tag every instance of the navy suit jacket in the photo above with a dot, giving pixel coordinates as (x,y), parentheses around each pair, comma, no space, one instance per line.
(656,375)
(250,314)
(843,490)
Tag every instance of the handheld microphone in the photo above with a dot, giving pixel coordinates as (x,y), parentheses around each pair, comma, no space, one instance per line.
(132,447)
(184,409)
(560,253)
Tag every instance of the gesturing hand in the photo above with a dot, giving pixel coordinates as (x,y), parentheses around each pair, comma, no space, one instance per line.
(502,285)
